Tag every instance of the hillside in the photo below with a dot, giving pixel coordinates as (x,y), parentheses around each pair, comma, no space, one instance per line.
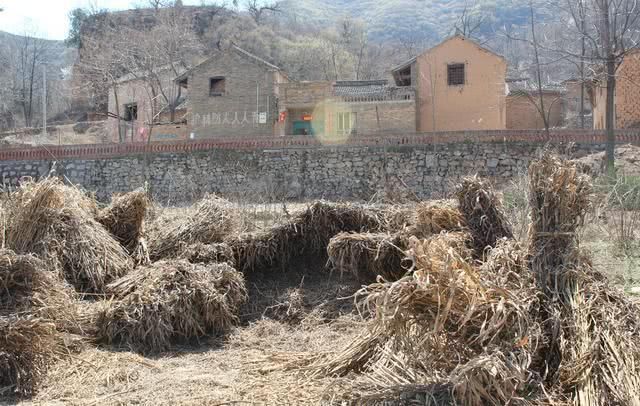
(405,19)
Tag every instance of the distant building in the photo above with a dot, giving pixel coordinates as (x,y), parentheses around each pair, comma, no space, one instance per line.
(233,93)
(524,111)
(140,108)
(627,95)
(459,85)
(346,108)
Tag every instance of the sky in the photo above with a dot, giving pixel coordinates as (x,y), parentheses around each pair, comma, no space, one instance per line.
(50,18)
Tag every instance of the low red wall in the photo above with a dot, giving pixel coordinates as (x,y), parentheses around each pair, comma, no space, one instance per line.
(114,150)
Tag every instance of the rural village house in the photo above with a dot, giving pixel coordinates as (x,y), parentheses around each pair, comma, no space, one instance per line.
(459,86)
(456,85)
(233,93)
(627,95)
(137,105)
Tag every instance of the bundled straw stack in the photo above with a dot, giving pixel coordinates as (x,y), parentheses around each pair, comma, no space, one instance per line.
(592,352)
(28,346)
(367,255)
(433,219)
(124,219)
(56,223)
(306,235)
(210,221)
(535,325)
(35,306)
(447,326)
(483,214)
(171,300)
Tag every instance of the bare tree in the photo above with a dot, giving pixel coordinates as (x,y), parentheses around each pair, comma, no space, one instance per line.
(102,67)
(538,71)
(471,20)
(258,9)
(161,54)
(31,56)
(606,31)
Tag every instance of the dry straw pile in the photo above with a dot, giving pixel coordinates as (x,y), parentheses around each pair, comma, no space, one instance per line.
(367,255)
(56,223)
(528,325)
(306,235)
(35,306)
(433,218)
(199,253)
(124,218)
(170,300)
(482,210)
(209,221)
(591,351)
(28,346)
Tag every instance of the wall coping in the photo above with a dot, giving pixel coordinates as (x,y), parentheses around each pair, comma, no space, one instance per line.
(95,151)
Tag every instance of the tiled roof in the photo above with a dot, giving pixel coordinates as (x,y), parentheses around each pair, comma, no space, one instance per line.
(360,88)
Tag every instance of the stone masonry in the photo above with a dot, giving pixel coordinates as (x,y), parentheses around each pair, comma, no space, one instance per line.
(297,174)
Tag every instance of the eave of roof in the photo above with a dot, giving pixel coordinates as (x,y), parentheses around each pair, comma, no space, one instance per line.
(412,60)
(238,50)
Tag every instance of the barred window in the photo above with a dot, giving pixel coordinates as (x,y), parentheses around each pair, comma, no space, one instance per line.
(455,74)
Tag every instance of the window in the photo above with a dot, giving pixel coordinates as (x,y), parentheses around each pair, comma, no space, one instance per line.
(131,112)
(347,123)
(455,74)
(216,86)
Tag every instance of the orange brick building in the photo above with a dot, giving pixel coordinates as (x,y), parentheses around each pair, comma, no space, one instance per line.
(627,96)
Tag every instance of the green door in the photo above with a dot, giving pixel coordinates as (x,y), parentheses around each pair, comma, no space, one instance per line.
(302,128)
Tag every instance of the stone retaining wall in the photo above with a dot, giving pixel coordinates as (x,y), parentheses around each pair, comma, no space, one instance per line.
(338,172)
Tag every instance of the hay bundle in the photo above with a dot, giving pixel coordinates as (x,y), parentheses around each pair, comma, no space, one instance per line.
(124,218)
(398,218)
(56,225)
(200,253)
(483,213)
(28,345)
(432,328)
(170,300)
(306,235)
(367,255)
(433,219)
(28,286)
(209,221)
(591,328)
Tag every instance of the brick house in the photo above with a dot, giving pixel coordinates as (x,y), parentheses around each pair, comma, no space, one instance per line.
(523,106)
(134,101)
(627,95)
(344,108)
(233,93)
(459,85)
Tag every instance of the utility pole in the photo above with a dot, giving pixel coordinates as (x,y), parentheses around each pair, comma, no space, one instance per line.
(44,101)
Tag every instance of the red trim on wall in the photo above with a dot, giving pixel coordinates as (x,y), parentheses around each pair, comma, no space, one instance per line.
(95,151)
